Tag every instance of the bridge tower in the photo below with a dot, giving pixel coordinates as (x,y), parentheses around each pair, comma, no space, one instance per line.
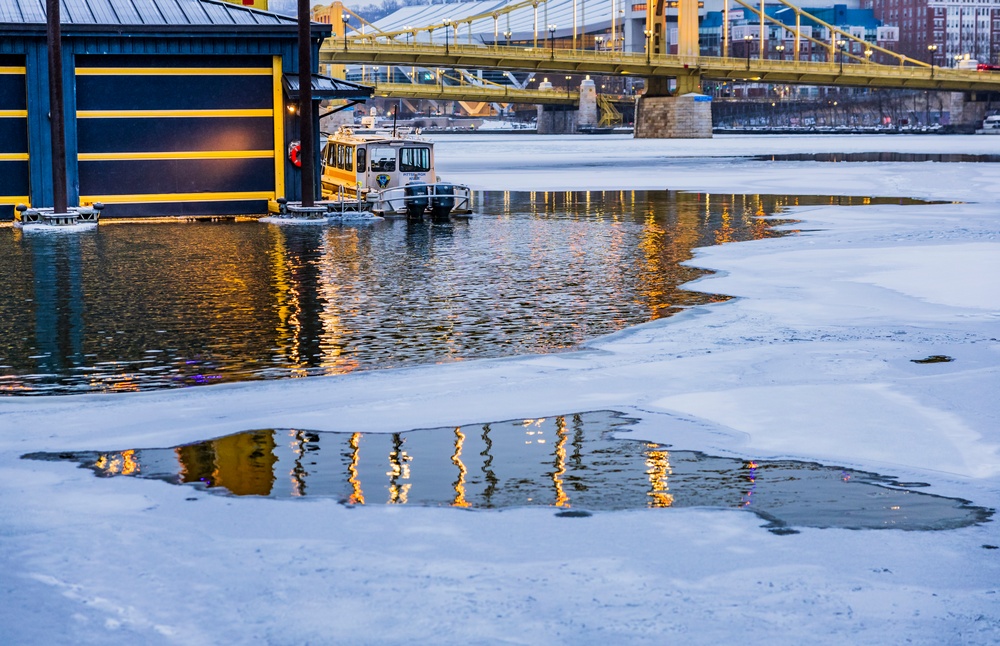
(660,114)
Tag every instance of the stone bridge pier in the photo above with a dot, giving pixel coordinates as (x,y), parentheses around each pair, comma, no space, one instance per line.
(685,114)
(566,119)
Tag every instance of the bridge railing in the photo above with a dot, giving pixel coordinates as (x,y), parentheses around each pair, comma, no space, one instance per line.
(381,51)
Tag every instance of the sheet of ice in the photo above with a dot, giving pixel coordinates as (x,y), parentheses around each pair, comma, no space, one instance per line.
(813,361)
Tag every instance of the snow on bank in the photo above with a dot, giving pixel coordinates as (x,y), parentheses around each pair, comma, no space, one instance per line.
(813,361)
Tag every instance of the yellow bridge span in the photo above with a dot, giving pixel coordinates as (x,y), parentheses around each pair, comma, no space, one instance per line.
(470,92)
(688,70)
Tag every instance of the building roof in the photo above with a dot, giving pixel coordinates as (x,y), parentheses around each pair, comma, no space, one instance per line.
(591,16)
(144,15)
(324,87)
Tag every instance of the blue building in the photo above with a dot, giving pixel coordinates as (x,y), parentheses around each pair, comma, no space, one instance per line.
(173,107)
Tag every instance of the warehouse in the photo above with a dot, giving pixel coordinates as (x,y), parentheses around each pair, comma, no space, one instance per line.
(173,107)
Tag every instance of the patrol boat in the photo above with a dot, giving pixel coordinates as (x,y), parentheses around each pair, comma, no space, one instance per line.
(389,172)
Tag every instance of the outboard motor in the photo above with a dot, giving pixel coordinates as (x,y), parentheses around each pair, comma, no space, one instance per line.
(416,200)
(442,202)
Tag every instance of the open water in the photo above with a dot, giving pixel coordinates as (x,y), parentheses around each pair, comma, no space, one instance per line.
(139,306)
(572,463)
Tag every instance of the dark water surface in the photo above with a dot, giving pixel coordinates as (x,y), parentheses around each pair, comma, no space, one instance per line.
(133,306)
(572,463)
(950,158)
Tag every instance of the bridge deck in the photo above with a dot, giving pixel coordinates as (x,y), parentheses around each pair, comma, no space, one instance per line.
(490,93)
(572,61)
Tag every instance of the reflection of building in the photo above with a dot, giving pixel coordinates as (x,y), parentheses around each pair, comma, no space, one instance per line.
(57,268)
(560,462)
(242,464)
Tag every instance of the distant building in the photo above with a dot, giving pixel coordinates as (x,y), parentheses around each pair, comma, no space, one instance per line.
(779,42)
(958,28)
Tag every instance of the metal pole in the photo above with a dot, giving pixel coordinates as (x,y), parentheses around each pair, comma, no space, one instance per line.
(306,135)
(798,34)
(613,24)
(762,53)
(574,24)
(725,29)
(534,25)
(57,119)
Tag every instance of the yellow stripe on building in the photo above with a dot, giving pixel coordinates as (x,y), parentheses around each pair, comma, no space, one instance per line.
(13,114)
(14,199)
(178,197)
(173,71)
(13,156)
(125,114)
(189,154)
(7,69)
(279,125)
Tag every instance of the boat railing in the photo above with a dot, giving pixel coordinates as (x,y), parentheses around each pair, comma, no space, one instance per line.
(395,199)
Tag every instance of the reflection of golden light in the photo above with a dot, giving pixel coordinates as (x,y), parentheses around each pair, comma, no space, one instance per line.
(125,463)
(399,469)
(129,463)
(657,470)
(456,459)
(726,232)
(288,305)
(341,260)
(298,473)
(357,497)
(562,500)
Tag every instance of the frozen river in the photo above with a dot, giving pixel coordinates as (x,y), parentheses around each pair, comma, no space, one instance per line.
(820,357)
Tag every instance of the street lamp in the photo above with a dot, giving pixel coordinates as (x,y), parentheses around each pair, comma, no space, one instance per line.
(552,41)
(408,29)
(841,44)
(747,40)
(507,34)
(345,18)
(568,78)
(649,34)
(447,26)
(958,57)
(598,41)
(868,54)
(781,51)
(931,53)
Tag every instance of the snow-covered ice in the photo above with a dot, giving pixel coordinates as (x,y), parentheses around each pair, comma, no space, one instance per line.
(813,361)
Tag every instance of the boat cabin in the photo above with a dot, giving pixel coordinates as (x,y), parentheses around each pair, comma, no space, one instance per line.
(357,162)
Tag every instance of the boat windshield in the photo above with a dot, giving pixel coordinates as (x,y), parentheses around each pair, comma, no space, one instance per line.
(415,160)
(383,159)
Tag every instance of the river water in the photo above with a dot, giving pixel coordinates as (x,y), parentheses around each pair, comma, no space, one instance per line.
(139,306)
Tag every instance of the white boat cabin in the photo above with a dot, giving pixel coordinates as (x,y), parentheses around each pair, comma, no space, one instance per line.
(358,162)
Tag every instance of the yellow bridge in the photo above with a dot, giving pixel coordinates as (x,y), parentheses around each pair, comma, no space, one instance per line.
(850,59)
(491,93)
(687,69)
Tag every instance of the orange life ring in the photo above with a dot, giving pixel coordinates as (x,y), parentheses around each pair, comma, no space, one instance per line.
(293,154)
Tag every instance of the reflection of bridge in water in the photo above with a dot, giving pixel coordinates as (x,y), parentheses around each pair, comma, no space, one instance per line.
(518,36)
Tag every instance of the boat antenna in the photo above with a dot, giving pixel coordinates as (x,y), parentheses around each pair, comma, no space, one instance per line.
(395,109)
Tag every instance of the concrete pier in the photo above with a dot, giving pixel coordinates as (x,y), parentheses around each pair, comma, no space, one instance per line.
(688,116)
(566,120)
